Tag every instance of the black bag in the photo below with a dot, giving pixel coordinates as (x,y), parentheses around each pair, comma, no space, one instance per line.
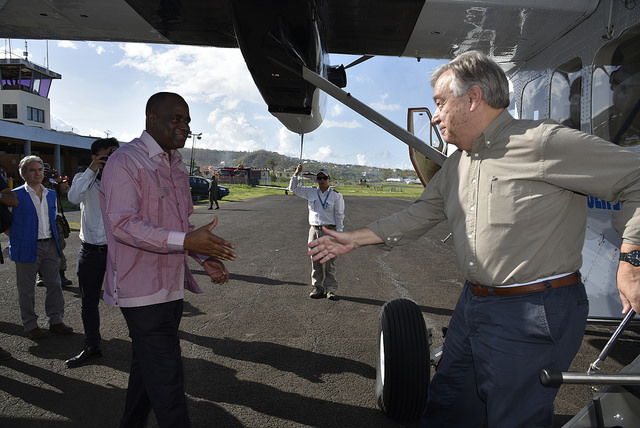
(5,218)
(61,221)
(63,226)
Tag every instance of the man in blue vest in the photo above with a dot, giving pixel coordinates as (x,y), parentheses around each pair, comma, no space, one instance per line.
(34,246)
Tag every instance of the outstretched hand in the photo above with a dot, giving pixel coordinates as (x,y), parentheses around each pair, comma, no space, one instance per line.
(216,270)
(331,245)
(202,241)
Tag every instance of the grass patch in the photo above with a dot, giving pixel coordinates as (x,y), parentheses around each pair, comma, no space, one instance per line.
(384,190)
(240,192)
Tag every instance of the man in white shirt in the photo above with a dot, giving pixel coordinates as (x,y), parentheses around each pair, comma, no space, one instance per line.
(326,210)
(92,259)
(34,246)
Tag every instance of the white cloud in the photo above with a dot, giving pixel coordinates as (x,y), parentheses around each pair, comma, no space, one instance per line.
(230,132)
(98,48)
(67,44)
(336,110)
(323,153)
(381,105)
(361,159)
(197,73)
(288,143)
(336,124)
(134,51)
(262,117)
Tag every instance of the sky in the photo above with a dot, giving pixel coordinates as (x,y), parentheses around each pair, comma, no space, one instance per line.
(105,86)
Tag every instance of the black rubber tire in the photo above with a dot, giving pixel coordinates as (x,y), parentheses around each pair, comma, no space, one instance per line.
(403,370)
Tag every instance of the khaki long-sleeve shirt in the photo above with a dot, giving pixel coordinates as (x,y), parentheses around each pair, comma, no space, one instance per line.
(516,203)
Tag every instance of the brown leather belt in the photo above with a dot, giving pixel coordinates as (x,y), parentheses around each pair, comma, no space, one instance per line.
(484,291)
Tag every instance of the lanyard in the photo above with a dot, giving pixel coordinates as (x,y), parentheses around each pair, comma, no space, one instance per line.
(324,203)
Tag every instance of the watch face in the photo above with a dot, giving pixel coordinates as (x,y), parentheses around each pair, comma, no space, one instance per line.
(632,257)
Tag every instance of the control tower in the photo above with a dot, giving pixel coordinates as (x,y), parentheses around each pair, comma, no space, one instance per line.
(24,92)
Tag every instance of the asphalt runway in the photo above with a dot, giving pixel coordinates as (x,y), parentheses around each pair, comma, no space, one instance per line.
(257,351)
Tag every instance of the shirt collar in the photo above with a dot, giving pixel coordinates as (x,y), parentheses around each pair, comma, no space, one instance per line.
(492,130)
(32,191)
(154,149)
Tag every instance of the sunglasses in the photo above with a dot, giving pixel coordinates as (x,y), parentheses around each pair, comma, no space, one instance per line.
(322,178)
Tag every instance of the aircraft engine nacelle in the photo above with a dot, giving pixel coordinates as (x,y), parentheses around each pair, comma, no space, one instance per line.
(278,38)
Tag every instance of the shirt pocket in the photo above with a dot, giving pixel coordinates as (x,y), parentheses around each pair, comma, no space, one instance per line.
(508,201)
(156,208)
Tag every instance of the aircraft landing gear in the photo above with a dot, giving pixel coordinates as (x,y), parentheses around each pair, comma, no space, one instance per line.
(402,375)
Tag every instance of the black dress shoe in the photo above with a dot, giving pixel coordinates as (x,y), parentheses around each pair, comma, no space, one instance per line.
(64,281)
(87,353)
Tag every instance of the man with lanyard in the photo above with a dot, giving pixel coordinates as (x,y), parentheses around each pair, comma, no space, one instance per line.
(514,199)
(326,209)
(34,246)
(8,199)
(92,259)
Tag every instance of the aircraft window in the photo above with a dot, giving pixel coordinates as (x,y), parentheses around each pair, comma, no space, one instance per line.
(534,99)
(566,92)
(615,104)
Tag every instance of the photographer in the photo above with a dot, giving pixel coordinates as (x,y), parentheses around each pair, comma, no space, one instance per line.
(92,259)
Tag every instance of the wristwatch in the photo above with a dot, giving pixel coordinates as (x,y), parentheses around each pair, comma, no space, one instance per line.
(632,257)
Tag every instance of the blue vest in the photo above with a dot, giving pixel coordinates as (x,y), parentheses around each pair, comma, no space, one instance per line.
(23,239)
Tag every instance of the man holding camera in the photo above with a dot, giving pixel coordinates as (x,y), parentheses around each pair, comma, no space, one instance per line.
(54,181)
(92,259)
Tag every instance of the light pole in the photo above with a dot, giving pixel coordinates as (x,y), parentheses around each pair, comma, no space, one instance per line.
(193,143)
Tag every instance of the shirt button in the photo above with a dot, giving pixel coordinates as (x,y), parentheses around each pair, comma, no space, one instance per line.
(473,181)
(475,155)
(470,263)
(472,208)
(470,236)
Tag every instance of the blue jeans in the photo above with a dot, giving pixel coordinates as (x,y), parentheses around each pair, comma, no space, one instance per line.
(92,263)
(493,353)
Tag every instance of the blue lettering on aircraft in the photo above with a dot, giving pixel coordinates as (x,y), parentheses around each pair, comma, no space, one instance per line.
(593,202)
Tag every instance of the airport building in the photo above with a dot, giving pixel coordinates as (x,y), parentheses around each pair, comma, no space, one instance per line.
(25,125)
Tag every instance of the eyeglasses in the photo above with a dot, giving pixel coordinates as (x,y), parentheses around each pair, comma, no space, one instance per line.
(322,178)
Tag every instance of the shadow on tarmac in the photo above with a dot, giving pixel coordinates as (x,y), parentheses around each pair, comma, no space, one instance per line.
(252,279)
(83,403)
(425,309)
(308,365)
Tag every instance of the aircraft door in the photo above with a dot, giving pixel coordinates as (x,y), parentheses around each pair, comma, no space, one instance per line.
(615,116)
(419,124)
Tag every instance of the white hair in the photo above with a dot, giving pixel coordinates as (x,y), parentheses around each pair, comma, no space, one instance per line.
(25,161)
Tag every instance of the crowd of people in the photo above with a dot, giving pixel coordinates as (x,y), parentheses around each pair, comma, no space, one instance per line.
(514,197)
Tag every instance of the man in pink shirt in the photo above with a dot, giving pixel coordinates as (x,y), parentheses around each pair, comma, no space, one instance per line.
(146,205)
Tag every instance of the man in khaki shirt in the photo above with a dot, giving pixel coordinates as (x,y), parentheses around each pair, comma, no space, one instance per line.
(514,196)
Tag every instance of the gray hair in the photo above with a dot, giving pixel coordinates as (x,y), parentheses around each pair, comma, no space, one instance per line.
(474,68)
(25,161)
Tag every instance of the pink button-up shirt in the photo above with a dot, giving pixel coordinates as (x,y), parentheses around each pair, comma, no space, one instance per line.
(146,207)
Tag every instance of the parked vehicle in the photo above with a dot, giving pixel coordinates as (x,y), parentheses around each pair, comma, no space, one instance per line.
(200,188)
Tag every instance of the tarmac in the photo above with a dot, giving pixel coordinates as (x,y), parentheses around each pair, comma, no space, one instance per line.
(257,351)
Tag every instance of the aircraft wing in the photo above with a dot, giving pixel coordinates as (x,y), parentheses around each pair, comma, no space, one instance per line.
(509,30)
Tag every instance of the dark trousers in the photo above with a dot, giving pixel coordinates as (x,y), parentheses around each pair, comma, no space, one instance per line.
(92,262)
(494,350)
(156,379)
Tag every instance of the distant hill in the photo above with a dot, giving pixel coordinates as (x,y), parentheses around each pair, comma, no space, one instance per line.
(277,162)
